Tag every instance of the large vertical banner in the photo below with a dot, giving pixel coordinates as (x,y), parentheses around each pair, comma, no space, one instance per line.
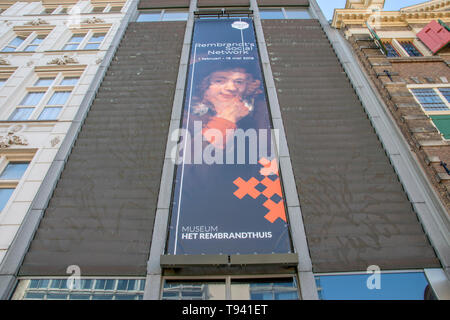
(227,196)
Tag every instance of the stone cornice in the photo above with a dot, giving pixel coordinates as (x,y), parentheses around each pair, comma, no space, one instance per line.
(344,17)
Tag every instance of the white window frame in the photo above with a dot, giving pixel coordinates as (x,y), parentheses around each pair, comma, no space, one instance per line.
(88,34)
(5,159)
(48,93)
(29,38)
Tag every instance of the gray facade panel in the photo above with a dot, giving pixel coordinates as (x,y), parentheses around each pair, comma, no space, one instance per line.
(156,4)
(223,3)
(355,210)
(102,211)
(281,3)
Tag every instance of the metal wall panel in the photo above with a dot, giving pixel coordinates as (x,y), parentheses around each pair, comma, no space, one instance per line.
(355,211)
(281,3)
(102,212)
(156,4)
(223,3)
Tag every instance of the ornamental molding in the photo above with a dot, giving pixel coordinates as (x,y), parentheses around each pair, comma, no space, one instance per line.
(36,22)
(93,20)
(64,60)
(12,137)
(4,62)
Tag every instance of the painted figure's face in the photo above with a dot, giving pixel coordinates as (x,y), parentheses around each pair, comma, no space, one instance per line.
(226,85)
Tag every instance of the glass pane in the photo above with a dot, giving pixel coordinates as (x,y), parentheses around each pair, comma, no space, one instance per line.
(32,99)
(131,285)
(34,295)
(21,114)
(146,17)
(59,98)
(92,46)
(446,93)
(44,82)
(56,284)
(34,284)
(126,297)
(38,40)
(98,9)
(115,9)
(50,113)
(100,284)
(122,285)
(271,14)
(17,42)
(429,99)
(264,289)
(391,52)
(14,171)
(97,37)
(79,296)
(297,14)
(391,286)
(8,49)
(77,38)
(69,81)
(110,284)
(31,48)
(5,194)
(187,290)
(175,16)
(70,47)
(102,297)
(410,49)
(56,296)
(2,82)
(86,284)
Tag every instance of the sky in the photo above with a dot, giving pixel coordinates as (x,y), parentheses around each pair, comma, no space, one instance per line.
(328,6)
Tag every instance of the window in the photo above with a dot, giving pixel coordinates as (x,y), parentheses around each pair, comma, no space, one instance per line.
(85,289)
(282,13)
(35,43)
(392,286)
(14,44)
(11,173)
(410,48)
(25,41)
(164,15)
(446,93)
(2,82)
(95,41)
(390,50)
(87,41)
(98,9)
(235,288)
(430,99)
(115,9)
(47,98)
(74,42)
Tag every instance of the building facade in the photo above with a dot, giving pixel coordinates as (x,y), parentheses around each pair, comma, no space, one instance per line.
(106,205)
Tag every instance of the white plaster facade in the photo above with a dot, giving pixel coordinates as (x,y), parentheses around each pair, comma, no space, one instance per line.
(33,140)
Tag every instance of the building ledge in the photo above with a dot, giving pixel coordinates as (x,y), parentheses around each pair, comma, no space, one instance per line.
(171,261)
(416,59)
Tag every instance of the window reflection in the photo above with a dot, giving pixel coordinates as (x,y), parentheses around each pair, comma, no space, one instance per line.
(193,290)
(271,14)
(393,286)
(264,289)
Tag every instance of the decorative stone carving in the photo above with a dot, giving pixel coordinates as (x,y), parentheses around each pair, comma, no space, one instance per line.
(93,20)
(63,60)
(12,138)
(55,141)
(36,22)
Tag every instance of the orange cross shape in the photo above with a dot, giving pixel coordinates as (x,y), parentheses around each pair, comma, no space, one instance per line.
(246,187)
(272,187)
(276,210)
